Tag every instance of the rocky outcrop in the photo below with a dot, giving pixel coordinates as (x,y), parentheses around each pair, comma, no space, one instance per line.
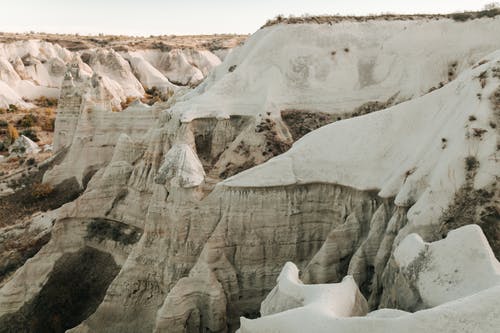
(88,127)
(449,289)
(31,69)
(423,276)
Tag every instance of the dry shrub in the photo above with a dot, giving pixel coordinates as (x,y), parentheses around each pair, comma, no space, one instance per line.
(127,102)
(47,119)
(12,133)
(154,94)
(48,124)
(40,191)
(49,112)
(331,19)
(44,101)
(28,120)
(30,133)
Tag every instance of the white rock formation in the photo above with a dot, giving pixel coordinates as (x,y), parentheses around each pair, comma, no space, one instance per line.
(341,68)
(181,67)
(337,203)
(181,167)
(31,69)
(458,276)
(341,299)
(24,145)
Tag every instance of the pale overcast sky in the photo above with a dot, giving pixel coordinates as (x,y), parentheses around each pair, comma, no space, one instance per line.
(158,17)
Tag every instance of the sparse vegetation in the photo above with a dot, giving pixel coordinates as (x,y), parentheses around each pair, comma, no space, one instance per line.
(154,94)
(478,132)
(12,108)
(101,230)
(474,206)
(3,146)
(29,197)
(28,120)
(301,122)
(40,190)
(127,102)
(331,19)
(124,43)
(483,78)
(373,106)
(31,134)
(48,124)
(12,133)
(274,144)
(495,100)
(46,102)
(471,163)
(31,161)
(489,11)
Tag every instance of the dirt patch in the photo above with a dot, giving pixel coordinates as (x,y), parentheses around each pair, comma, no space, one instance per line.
(495,103)
(25,201)
(232,169)
(273,138)
(275,144)
(213,136)
(101,229)
(15,253)
(301,122)
(74,290)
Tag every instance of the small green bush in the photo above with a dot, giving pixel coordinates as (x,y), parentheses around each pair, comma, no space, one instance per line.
(3,146)
(31,134)
(12,108)
(27,120)
(471,163)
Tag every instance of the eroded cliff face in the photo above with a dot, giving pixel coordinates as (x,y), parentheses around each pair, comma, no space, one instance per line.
(199,241)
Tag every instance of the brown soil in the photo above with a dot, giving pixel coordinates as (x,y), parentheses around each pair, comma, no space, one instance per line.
(16,251)
(301,122)
(25,201)
(37,124)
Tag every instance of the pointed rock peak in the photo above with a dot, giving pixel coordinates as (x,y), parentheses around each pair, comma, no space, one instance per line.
(181,168)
